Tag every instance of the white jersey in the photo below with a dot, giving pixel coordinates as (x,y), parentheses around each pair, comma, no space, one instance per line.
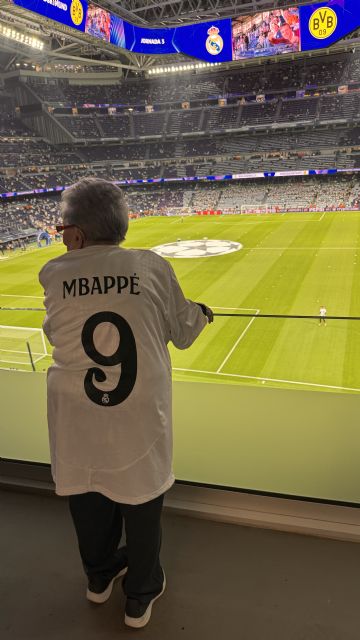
(323,312)
(110,313)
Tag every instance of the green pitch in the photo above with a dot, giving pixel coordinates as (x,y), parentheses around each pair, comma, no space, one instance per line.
(289,264)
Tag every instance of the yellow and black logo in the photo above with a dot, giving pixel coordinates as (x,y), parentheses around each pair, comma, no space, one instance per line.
(323,23)
(76,12)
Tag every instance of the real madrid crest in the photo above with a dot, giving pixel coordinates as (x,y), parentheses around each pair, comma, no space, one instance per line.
(214,44)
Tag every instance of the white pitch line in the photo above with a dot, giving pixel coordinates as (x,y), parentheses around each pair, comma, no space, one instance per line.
(321,217)
(256,248)
(234,308)
(237,341)
(12,295)
(237,375)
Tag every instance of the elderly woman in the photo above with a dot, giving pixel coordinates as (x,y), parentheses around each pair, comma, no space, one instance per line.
(110,313)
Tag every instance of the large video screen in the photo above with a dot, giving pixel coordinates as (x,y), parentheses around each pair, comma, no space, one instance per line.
(266,34)
(98,23)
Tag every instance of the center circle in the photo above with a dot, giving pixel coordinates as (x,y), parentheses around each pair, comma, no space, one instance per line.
(204,248)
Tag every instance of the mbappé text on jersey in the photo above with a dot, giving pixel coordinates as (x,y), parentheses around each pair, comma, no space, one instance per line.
(101,285)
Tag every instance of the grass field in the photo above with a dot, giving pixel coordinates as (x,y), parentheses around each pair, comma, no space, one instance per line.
(289,264)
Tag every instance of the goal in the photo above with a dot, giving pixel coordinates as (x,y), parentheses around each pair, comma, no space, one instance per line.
(16,344)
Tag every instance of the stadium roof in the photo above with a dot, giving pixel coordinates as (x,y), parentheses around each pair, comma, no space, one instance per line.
(63,45)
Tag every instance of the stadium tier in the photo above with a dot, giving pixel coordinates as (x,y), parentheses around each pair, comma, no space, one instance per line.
(296,116)
(330,71)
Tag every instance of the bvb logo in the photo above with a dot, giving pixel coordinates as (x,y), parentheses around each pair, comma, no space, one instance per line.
(76,12)
(323,23)
(214,43)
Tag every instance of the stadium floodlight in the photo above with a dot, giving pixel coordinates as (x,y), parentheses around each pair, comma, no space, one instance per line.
(18,36)
(182,67)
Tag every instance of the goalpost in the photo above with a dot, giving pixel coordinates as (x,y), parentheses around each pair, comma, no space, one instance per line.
(21,345)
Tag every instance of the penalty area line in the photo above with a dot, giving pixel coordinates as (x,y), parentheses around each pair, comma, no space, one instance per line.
(237,341)
(295,382)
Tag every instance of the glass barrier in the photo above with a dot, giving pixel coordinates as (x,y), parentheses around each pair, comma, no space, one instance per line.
(242,346)
(245,413)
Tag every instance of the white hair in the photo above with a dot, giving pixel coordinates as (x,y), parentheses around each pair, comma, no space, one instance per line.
(98,207)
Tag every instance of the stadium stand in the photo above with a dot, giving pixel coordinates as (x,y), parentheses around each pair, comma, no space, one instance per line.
(21,218)
(259,114)
(304,109)
(331,71)
(84,127)
(309,109)
(115,126)
(184,121)
(150,124)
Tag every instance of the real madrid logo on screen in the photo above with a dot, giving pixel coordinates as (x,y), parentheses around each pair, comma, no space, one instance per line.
(76,12)
(323,23)
(214,43)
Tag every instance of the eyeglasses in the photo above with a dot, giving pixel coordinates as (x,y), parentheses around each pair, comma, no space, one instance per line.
(61,227)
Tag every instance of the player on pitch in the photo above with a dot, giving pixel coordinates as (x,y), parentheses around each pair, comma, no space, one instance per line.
(110,313)
(322,313)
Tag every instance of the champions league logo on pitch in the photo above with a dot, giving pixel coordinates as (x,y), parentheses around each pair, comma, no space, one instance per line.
(204,248)
(214,44)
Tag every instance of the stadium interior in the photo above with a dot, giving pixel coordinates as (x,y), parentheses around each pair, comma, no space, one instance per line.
(246,141)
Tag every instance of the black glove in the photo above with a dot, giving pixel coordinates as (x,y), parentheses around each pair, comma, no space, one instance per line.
(206,311)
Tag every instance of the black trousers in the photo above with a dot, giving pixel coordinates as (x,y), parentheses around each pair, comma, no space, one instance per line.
(99,522)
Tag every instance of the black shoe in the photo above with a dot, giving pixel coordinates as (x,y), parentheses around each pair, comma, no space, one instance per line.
(137,615)
(99,590)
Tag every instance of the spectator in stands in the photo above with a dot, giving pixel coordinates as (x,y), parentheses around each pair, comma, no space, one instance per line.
(111,446)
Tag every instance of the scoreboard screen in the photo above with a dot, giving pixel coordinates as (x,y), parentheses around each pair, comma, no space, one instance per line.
(266,33)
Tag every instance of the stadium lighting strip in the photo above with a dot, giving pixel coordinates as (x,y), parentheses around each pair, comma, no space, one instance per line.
(182,67)
(22,38)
